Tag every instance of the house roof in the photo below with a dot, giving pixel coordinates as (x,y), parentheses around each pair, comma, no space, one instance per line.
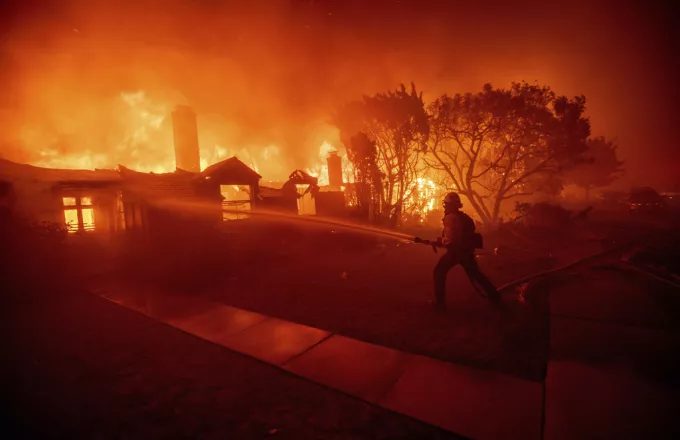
(12,171)
(180,184)
(231,172)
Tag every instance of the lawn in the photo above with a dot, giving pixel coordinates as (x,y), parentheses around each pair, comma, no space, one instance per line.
(377,290)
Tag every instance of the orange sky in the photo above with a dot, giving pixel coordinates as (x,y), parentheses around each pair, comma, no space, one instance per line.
(269,75)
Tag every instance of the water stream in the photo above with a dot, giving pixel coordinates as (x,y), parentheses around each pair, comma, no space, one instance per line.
(205,207)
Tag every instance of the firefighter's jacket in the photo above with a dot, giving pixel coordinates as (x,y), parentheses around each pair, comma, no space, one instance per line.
(458,231)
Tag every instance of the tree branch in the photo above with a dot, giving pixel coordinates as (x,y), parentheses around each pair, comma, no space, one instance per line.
(516,195)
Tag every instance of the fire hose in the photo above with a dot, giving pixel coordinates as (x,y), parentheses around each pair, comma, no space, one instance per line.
(433,243)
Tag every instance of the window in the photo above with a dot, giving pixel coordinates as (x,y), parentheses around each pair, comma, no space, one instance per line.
(236,198)
(78,214)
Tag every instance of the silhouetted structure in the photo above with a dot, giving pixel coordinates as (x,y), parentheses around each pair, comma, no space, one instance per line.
(159,205)
(334,171)
(107,201)
(302,194)
(74,197)
(277,199)
(330,203)
(185,133)
(236,183)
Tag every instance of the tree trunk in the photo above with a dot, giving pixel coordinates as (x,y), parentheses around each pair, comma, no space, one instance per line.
(469,194)
(496,209)
(396,216)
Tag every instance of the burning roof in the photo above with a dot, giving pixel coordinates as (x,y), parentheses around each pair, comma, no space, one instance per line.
(180,184)
(13,171)
(185,184)
(232,172)
(226,171)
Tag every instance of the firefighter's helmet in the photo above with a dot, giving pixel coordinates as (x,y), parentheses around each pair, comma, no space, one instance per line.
(452,200)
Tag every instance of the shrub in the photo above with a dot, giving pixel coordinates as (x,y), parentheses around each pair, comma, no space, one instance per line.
(544,215)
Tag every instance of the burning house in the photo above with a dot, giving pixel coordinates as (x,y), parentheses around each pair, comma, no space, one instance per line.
(157,205)
(303,195)
(237,185)
(154,205)
(189,193)
(296,195)
(73,197)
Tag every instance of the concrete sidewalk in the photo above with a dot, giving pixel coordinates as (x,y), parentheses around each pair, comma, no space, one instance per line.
(596,384)
(472,403)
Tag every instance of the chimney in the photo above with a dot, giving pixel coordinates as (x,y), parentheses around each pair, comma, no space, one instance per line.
(185,132)
(334,170)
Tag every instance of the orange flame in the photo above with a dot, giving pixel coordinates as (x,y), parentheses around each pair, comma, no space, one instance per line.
(320,168)
(144,142)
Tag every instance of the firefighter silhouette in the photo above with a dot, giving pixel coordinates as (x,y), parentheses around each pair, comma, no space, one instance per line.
(460,239)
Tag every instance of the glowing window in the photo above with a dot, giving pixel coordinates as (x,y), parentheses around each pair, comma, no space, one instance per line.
(78,214)
(71,218)
(88,219)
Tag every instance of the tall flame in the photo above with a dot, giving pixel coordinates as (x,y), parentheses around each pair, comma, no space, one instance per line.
(423,198)
(143,143)
(320,167)
(142,140)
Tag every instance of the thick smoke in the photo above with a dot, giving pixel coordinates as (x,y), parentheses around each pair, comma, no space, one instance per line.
(97,80)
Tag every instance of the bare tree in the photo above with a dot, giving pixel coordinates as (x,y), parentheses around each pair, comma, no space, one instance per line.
(490,144)
(397,124)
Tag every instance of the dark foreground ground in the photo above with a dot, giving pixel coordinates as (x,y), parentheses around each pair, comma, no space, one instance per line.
(377,290)
(79,367)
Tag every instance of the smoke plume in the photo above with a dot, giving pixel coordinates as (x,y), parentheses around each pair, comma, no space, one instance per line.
(92,83)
